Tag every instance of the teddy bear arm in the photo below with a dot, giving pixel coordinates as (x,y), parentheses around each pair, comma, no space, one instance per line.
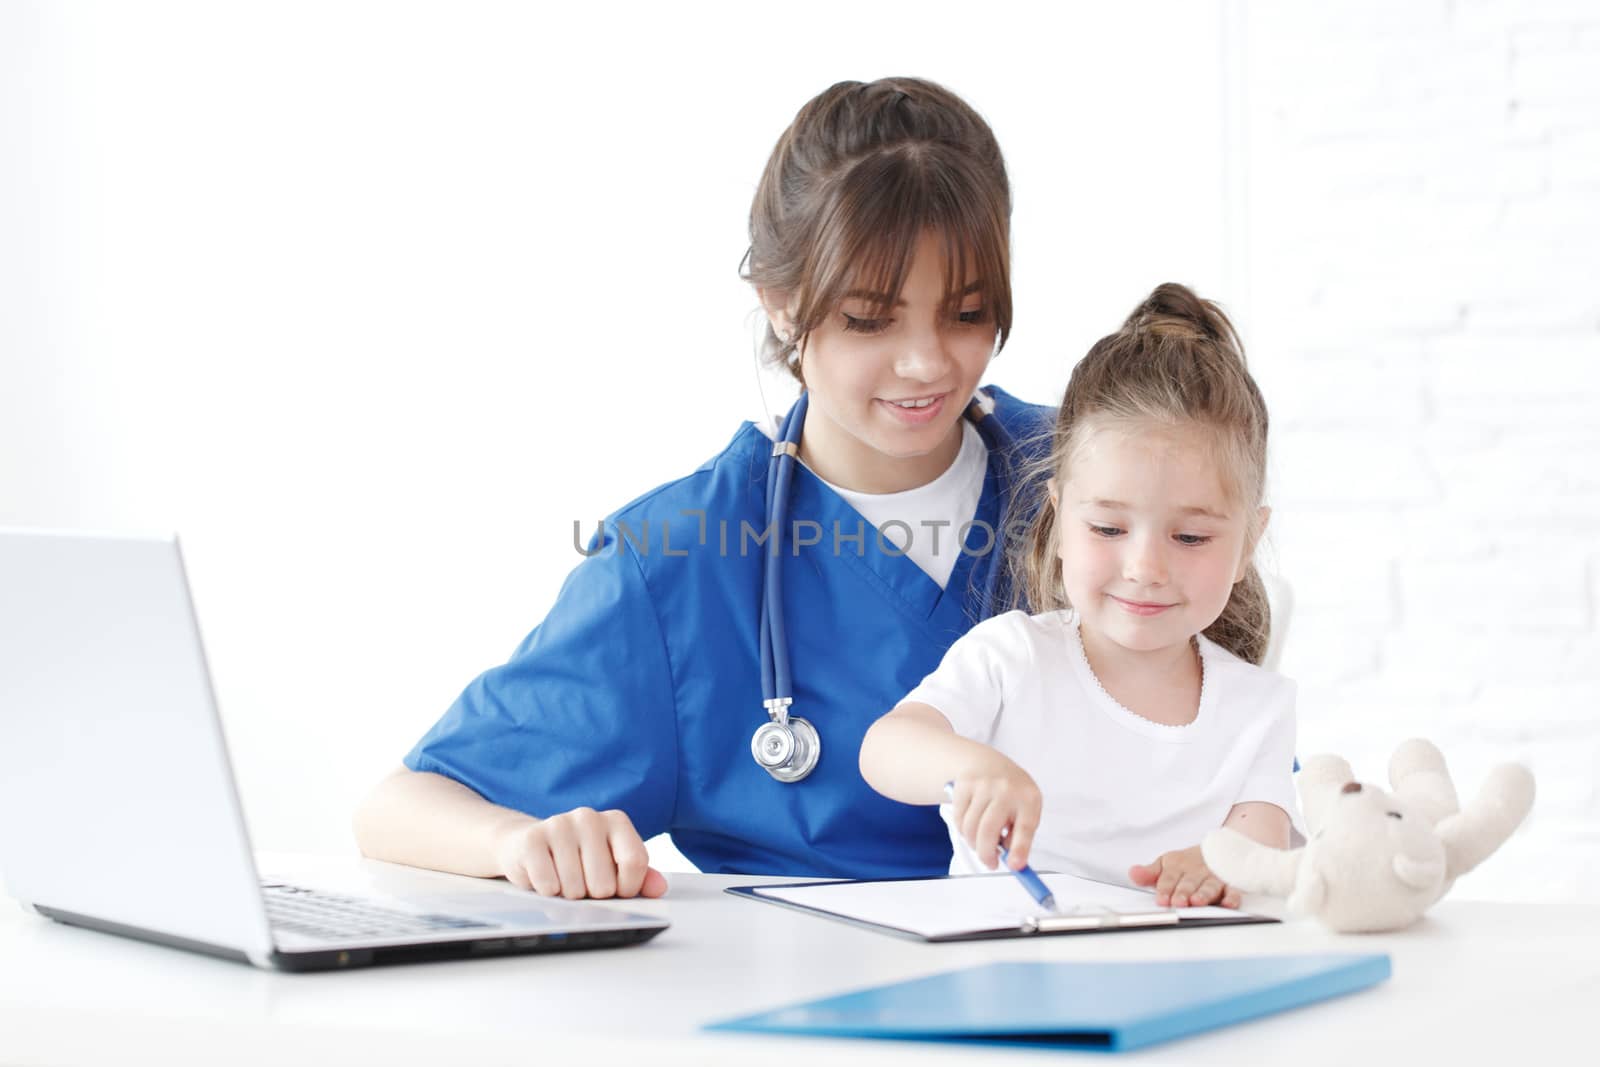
(1470,836)
(1248,865)
(1309,892)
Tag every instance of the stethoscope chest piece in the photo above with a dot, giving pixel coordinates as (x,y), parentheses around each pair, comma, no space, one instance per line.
(787,750)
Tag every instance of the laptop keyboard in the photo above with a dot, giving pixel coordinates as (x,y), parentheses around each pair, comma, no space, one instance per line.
(331,917)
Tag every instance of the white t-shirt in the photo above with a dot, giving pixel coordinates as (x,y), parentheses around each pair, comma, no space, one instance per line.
(932,514)
(1118,788)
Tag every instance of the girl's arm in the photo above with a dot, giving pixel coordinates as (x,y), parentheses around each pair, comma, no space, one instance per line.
(909,755)
(1260,821)
(428,820)
(1181,877)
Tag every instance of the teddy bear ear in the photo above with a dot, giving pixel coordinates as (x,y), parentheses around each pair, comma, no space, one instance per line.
(1418,775)
(1323,768)
(1321,778)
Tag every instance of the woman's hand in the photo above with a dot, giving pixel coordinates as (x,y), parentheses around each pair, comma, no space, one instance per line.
(579,853)
(1182,880)
(996,802)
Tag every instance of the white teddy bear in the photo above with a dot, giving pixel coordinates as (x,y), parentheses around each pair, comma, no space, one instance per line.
(1377,860)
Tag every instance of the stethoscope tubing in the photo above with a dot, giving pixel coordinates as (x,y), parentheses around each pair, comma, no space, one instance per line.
(775,680)
(776,683)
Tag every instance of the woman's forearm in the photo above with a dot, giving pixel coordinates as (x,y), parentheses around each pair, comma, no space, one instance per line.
(428,820)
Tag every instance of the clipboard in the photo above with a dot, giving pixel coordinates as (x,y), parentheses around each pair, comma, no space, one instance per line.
(986,906)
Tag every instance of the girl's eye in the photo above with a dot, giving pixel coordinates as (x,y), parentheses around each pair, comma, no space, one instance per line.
(971,318)
(1105,531)
(869,326)
(1192,540)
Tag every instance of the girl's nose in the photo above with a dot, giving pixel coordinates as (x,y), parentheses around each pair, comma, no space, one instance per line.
(1145,562)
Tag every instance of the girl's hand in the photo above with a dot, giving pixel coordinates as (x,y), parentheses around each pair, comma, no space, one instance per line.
(1183,880)
(996,802)
(579,853)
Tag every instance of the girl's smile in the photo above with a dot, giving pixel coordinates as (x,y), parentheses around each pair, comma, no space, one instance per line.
(1151,542)
(1135,607)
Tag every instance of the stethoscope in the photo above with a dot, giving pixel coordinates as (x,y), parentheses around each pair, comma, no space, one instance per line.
(787,746)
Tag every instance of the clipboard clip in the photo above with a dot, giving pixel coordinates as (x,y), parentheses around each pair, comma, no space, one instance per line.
(1096,917)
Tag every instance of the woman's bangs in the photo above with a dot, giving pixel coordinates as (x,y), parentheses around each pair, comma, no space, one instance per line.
(977,236)
(976,260)
(866,244)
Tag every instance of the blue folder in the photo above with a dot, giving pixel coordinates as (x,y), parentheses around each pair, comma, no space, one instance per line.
(1111,1007)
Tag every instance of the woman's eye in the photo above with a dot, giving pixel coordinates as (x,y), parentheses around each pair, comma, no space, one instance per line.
(1192,540)
(971,318)
(855,325)
(1105,531)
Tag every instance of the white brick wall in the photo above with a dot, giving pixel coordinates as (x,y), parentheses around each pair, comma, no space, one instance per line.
(1421,295)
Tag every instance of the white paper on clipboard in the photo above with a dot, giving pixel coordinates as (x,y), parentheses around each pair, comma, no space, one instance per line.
(942,908)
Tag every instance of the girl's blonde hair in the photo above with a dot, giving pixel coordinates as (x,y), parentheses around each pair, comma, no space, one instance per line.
(1176,362)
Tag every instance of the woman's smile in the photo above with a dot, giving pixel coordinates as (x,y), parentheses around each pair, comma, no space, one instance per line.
(915,411)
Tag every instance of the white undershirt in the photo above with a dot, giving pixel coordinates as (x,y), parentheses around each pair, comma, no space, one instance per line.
(932,514)
(1118,788)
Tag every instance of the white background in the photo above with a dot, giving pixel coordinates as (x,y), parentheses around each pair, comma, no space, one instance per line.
(371,302)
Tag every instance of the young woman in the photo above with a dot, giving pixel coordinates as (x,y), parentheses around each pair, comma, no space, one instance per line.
(792,590)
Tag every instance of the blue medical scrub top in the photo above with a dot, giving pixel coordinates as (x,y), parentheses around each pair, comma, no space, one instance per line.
(641,688)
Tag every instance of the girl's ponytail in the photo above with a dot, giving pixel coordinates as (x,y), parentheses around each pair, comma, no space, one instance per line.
(1245,624)
(1173,311)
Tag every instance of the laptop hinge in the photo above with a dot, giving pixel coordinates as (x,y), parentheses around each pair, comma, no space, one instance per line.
(72,918)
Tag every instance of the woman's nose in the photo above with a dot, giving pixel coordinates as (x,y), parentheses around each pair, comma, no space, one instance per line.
(923,357)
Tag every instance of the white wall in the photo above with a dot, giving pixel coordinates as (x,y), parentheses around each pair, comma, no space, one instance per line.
(1424,211)
(371,302)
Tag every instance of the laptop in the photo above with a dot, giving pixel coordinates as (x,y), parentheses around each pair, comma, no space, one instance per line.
(118,807)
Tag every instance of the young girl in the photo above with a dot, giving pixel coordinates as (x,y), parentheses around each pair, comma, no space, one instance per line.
(1105,735)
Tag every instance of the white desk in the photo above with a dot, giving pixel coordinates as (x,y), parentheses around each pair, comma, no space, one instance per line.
(1473,983)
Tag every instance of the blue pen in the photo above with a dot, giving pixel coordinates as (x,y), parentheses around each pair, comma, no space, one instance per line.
(1030,881)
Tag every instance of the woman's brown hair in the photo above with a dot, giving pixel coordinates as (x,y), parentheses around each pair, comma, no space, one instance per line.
(863,170)
(1176,362)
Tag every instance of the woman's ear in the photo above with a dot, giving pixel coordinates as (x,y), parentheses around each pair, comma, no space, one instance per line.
(1054,491)
(779,314)
(1263,516)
